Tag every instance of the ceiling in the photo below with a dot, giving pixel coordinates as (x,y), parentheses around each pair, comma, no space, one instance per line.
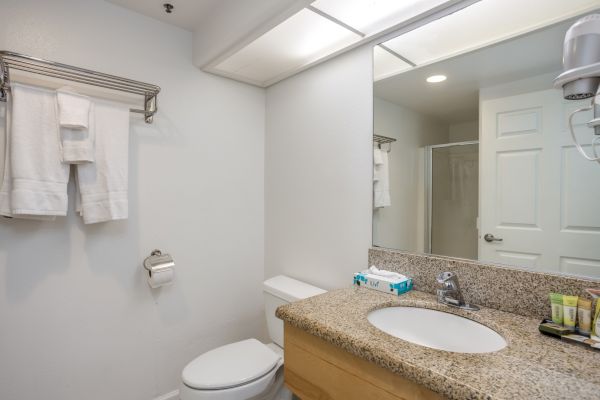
(187,14)
(456,99)
(265,41)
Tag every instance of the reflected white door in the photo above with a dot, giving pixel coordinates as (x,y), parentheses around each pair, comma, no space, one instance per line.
(538,195)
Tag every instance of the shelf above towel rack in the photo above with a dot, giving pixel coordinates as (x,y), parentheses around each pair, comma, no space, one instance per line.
(10,60)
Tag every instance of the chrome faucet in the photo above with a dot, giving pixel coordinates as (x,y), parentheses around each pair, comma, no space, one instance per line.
(450,294)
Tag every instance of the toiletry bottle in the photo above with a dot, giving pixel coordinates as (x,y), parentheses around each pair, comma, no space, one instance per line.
(584,316)
(556,301)
(570,311)
(595,293)
(596,323)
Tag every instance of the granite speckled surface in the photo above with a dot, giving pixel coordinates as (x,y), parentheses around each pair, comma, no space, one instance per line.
(532,366)
(504,288)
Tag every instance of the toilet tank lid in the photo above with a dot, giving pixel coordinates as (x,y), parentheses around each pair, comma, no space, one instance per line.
(290,289)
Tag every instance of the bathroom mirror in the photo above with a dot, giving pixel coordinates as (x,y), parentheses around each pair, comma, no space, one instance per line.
(473,156)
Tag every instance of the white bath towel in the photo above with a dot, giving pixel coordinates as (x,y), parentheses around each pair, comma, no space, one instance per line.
(35,180)
(102,185)
(381,183)
(76,113)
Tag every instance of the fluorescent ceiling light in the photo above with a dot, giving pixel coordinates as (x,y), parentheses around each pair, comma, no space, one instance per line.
(436,78)
(481,24)
(372,16)
(386,64)
(300,40)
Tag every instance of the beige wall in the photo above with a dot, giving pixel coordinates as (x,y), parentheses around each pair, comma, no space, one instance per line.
(463,131)
(401,226)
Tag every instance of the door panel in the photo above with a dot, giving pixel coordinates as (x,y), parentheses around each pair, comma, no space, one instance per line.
(580,191)
(517,194)
(519,122)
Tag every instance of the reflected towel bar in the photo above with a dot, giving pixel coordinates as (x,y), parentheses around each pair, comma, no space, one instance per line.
(379,140)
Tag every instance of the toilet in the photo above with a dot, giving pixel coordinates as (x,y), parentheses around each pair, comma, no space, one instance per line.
(247,369)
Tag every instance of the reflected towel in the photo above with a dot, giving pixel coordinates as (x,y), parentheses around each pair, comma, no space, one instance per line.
(381,184)
(377,158)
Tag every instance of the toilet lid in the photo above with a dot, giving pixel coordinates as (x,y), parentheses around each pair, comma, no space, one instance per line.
(231,365)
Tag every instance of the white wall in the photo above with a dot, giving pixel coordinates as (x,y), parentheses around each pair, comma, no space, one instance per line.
(318,171)
(77,319)
(463,131)
(401,225)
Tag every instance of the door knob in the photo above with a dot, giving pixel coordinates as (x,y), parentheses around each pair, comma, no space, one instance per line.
(488,237)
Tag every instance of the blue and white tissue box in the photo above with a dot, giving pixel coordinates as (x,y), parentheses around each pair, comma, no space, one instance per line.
(392,285)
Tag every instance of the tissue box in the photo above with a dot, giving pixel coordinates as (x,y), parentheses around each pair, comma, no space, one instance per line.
(383,284)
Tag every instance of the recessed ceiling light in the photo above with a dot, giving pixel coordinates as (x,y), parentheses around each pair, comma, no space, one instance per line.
(436,78)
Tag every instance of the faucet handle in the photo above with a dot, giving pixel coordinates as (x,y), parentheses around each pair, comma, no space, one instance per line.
(444,277)
(449,280)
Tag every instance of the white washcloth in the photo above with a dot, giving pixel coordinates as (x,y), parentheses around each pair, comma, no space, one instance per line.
(35,180)
(73,109)
(377,158)
(102,185)
(76,114)
(381,183)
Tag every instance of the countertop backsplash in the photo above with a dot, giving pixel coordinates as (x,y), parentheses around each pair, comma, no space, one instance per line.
(510,289)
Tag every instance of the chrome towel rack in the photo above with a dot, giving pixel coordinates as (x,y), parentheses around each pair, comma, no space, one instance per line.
(10,60)
(379,140)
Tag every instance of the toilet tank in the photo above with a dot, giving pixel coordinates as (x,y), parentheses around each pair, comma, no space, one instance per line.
(282,290)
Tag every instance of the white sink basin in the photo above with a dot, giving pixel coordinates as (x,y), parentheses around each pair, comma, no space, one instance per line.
(436,329)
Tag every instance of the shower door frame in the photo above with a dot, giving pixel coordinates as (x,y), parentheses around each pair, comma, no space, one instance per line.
(429,185)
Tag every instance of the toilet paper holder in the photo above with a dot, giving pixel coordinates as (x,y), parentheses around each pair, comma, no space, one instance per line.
(158,261)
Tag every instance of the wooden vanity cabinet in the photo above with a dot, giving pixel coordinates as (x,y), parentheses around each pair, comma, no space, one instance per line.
(318,370)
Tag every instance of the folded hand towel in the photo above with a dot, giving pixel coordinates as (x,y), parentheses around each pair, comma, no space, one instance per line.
(377,158)
(35,180)
(73,108)
(76,114)
(102,185)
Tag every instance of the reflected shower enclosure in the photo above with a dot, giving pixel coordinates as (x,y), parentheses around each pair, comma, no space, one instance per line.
(452,188)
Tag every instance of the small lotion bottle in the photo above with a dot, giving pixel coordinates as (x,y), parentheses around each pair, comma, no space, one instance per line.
(556,301)
(570,311)
(584,316)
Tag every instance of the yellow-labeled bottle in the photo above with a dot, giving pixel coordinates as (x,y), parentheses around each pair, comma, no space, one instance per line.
(570,311)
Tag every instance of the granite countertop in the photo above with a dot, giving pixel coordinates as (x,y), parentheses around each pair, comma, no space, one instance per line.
(532,366)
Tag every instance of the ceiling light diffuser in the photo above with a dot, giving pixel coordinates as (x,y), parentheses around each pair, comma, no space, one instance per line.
(301,39)
(482,24)
(386,64)
(372,16)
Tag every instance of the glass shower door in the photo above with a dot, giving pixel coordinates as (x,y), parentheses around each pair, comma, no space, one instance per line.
(453,193)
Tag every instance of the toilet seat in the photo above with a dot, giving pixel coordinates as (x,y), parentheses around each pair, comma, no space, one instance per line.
(236,364)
